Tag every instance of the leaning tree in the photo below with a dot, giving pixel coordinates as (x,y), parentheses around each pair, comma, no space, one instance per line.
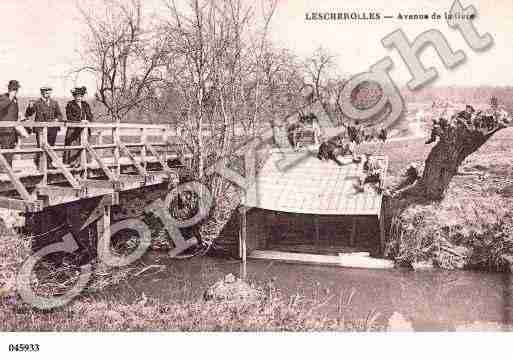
(457,140)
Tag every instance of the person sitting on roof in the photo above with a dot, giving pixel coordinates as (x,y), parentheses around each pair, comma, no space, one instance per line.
(332,148)
(371,172)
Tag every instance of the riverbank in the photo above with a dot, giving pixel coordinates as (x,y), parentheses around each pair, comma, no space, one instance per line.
(91,314)
(472,227)
(169,296)
(178,303)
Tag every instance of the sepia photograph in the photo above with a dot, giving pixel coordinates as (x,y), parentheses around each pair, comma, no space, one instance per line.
(199,166)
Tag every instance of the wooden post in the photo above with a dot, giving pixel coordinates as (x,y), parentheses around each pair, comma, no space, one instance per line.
(116,140)
(17,146)
(165,139)
(14,179)
(100,137)
(84,141)
(43,158)
(99,141)
(381,219)
(353,232)
(104,234)
(143,148)
(317,238)
(242,240)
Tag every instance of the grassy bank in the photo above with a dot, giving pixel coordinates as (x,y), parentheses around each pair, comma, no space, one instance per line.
(100,308)
(272,313)
(472,227)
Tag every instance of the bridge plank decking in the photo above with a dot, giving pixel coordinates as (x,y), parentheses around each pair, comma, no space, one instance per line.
(104,169)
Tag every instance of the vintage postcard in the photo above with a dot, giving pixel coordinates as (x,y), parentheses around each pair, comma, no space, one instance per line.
(262,166)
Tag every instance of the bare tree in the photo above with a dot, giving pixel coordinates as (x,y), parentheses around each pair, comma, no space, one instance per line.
(125,57)
(216,63)
(321,76)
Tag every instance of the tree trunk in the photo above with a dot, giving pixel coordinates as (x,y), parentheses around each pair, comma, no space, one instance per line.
(455,144)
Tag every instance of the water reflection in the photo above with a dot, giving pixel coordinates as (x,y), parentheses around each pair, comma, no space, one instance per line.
(405,300)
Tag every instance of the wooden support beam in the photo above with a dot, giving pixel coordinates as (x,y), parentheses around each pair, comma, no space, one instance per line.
(49,190)
(165,139)
(144,140)
(99,210)
(21,205)
(242,239)
(43,158)
(103,230)
(55,195)
(159,158)
(17,146)
(15,180)
(353,232)
(117,140)
(133,160)
(101,163)
(114,185)
(84,141)
(381,219)
(64,170)
(317,237)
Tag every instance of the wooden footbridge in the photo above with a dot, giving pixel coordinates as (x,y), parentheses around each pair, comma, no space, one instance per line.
(113,158)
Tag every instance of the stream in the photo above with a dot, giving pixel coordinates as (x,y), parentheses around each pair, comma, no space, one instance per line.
(431,300)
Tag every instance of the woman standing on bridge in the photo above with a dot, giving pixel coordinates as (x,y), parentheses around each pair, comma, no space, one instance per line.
(77,110)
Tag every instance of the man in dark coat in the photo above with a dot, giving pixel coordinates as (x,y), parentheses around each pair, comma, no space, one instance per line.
(9,112)
(45,110)
(77,110)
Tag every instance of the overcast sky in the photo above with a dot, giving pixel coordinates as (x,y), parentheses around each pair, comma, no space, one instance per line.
(39,39)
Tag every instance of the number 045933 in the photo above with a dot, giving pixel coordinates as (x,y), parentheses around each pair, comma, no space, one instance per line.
(23,347)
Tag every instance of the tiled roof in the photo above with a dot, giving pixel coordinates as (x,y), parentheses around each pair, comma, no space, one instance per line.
(309,185)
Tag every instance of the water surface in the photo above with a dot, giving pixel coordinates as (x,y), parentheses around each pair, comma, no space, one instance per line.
(406,300)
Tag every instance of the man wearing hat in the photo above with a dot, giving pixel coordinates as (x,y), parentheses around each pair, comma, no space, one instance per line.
(45,109)
(77,110)
(9,112)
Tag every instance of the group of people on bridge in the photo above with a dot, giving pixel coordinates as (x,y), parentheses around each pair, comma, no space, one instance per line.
(44,109)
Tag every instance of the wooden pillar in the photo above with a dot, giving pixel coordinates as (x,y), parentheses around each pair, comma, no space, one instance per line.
(116,140)
(242,240)
(17,146)
(270,223)
(43,158)
(103,231)
(100,137)
(316,225)
(165,139)
(143,148)
(353,232)
(84,140)
(381,219)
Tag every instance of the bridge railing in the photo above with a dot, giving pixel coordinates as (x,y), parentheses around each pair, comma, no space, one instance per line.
(152,144)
